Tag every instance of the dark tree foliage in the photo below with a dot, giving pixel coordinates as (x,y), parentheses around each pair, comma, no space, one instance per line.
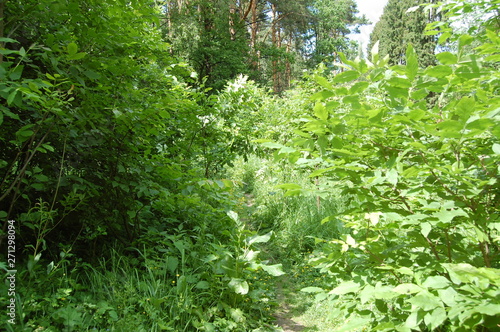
(399,26)
(272,41)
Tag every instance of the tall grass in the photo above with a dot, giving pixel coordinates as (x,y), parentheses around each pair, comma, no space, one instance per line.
(145,298)
(296,220)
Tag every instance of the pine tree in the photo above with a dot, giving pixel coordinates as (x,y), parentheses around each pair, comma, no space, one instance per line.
(399,27)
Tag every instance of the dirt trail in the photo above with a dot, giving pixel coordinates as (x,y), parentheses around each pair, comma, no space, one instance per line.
(284,314)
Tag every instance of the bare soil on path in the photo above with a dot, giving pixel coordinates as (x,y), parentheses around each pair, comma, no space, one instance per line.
(285,313)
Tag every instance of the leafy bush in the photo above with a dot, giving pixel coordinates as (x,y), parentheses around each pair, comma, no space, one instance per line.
(416,153)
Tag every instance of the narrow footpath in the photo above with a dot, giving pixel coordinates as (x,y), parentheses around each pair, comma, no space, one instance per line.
(285,313)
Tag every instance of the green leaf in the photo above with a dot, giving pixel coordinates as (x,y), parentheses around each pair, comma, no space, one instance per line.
(323,82)
(16,73)
(288,186)
(7,40)
(447,58)
(438,71)
(346,76)
(449,129)
(346,287)
(436,282)
(465,107)
(354,324)
(407,288)
(172,263)
(233,215)
(425,228)
(259,238)
(496,148)
(239,286)
(92,74)
(72,49)
(411,63)
(446,216)
(275,270)
(426,301)
(392,177)
(272,145)
(320,111)
(448,296)
(203,285)
(77,56)
(312,290)
(435,318)
(490,309)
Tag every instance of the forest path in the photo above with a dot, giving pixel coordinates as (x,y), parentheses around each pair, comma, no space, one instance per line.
(290,306)
(285,317)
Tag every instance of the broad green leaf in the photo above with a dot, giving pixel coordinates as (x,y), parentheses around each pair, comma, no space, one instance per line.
(392,176)
(465,107)
(239,286)
(447,58)
(490,309)
(319,172)
(72,49)
(7,40)
(444,37)
(346,287)
(425,228)
(320,111)
(16,73)
(435,318)
(399,82)
(463,41)
(237,315)
(203,284)
(323,82)
(407,288)
(92,74)
(322,95)
(77,56)
(289,186)
(480,125)
(272,145)
(358,87)
(449,129)
(426,301)
(496,148)
(259,238)
(438,71)
(411,63)
(172,263)
(275,270)
(436,282)
(367,293)
(346,76)
(233,215)
(446,216)
(322,143)
(448,296)
(354,324)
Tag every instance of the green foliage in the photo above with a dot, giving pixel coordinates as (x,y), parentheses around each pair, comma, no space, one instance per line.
(420,249)
(403,23)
